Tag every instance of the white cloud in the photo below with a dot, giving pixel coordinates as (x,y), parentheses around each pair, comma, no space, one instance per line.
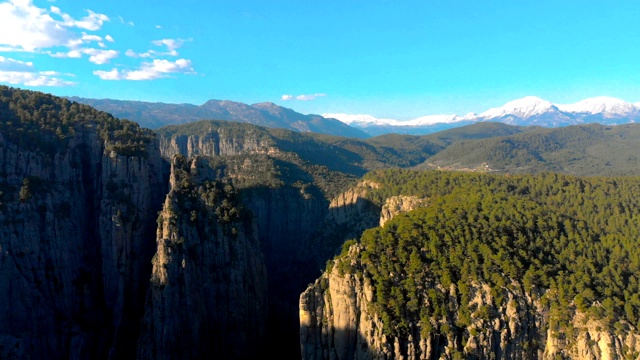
(304,97)
(33,78)
(91,22)
(27,27)
(149,70)
(8,64)
(109,38)
(18,72)
(76,54)
(98,56)
(171,44)
(87,37)
(108,75)
(148,54)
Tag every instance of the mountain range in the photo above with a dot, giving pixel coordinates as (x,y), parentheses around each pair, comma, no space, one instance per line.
(527,111)
(154,115)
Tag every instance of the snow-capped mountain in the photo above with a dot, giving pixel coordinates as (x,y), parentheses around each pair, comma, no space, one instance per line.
(601,104)
(523,108)
(527,111)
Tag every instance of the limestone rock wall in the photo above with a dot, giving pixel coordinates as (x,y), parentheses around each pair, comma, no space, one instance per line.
(208,294)
(75,236)
(215,143)
(399,204)
(338,320)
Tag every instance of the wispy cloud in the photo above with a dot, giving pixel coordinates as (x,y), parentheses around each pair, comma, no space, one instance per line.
(149,70)
(19,72)
(8,64)
(303,97)
(91,22)
(171,44)
(122,20)
(96,56)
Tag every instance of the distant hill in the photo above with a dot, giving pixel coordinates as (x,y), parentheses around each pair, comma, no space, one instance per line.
(154,115)
(350,156)
(591,149)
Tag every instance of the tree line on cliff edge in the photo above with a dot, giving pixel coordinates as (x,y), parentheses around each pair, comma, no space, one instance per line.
(570,242)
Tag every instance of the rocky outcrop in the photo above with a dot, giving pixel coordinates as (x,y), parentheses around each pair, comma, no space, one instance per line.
(208,294)
(76,239)
(339,320)
(399,204)
(217,142)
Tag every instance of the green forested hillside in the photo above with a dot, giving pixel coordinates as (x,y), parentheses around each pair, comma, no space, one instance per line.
(579,150)
(43,122)
(333,162)
(477,131)
(570,242)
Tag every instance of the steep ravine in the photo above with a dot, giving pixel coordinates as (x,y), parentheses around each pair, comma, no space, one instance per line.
(82,221)
(296,226)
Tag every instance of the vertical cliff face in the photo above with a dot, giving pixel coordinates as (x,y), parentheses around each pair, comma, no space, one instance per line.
(287,210)
(76,235)
(339,320)
(220,142)
(208,295)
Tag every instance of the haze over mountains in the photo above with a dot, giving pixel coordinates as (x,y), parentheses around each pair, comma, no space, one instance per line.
(527,111)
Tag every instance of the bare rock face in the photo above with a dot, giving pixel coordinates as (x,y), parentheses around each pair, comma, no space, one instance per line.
(338,320)
(218,142)
(399,204)
(208,295)
(75,239)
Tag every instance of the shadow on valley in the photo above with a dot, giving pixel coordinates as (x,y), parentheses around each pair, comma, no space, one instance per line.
(298,233)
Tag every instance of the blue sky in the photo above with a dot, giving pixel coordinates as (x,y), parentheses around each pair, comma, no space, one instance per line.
(397,59)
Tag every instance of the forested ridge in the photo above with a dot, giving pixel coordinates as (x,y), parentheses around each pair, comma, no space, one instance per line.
(570,242)
(43,122)
(592,150)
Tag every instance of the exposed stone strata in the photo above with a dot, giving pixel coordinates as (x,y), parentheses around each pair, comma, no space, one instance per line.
(215,143)
(338,321)
(399,204)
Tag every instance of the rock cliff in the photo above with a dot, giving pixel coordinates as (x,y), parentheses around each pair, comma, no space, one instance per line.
(208,290)
(287,209)
(76,239)
(339,320)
